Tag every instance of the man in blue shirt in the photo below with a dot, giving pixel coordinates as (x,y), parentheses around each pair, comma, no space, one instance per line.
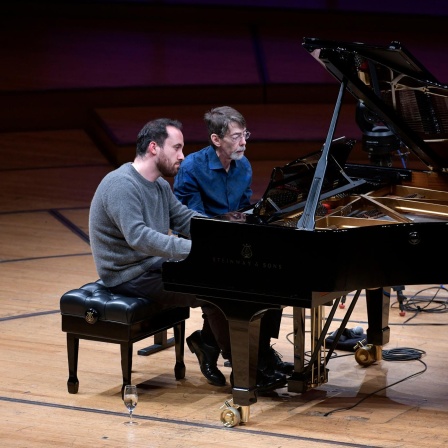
(217,180)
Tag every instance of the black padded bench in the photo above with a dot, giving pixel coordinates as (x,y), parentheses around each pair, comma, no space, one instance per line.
(95,313)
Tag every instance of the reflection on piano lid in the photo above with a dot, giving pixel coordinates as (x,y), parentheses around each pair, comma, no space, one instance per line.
(396,90)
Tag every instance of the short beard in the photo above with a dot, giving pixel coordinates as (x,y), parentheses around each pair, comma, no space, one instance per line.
(165,169)
(237,155)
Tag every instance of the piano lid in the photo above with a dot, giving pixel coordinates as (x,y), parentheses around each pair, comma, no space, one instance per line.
(394,90)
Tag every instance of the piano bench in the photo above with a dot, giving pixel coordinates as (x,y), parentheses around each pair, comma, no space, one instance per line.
(93,312)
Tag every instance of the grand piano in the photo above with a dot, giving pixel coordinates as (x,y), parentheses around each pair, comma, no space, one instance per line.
(326,227)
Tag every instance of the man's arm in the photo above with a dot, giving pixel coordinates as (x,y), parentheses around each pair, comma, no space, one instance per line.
(245,199)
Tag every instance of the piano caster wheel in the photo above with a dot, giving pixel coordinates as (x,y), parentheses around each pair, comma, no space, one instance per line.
(366,355)
(230,416)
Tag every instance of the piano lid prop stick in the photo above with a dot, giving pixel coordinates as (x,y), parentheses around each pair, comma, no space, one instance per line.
(307,220)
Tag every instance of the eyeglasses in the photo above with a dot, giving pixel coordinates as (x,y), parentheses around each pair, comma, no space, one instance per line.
(237,137)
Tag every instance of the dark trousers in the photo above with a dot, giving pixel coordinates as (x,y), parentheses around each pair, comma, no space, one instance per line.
(215,328)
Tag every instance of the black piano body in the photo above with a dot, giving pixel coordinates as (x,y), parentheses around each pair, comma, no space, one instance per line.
(326,227)
(283,265)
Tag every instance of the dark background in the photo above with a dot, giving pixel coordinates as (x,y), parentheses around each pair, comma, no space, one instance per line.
(65,65)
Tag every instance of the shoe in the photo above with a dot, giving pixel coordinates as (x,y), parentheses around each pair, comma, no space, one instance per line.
(273,360)
(207,357)
(267,381)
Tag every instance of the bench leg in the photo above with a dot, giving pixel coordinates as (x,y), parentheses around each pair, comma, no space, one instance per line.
(72,353)
(126,363)
(179,337)
(161,338)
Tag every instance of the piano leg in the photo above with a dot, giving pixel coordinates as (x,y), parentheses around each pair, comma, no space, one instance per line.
(244,337)
(378,305)
(314,373)
(299,317)
(309,375)
(244,327)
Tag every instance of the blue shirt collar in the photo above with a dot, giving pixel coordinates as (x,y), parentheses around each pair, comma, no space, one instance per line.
(214,162)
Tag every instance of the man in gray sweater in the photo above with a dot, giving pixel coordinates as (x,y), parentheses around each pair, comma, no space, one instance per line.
(133,216)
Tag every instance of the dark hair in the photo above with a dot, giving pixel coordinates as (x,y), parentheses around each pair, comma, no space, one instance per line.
(219,118)
(154,131)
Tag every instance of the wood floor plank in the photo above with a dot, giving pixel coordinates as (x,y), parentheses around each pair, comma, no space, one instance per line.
(49,188)
(77,217)
(31,286)
(46,149)
(40,234)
